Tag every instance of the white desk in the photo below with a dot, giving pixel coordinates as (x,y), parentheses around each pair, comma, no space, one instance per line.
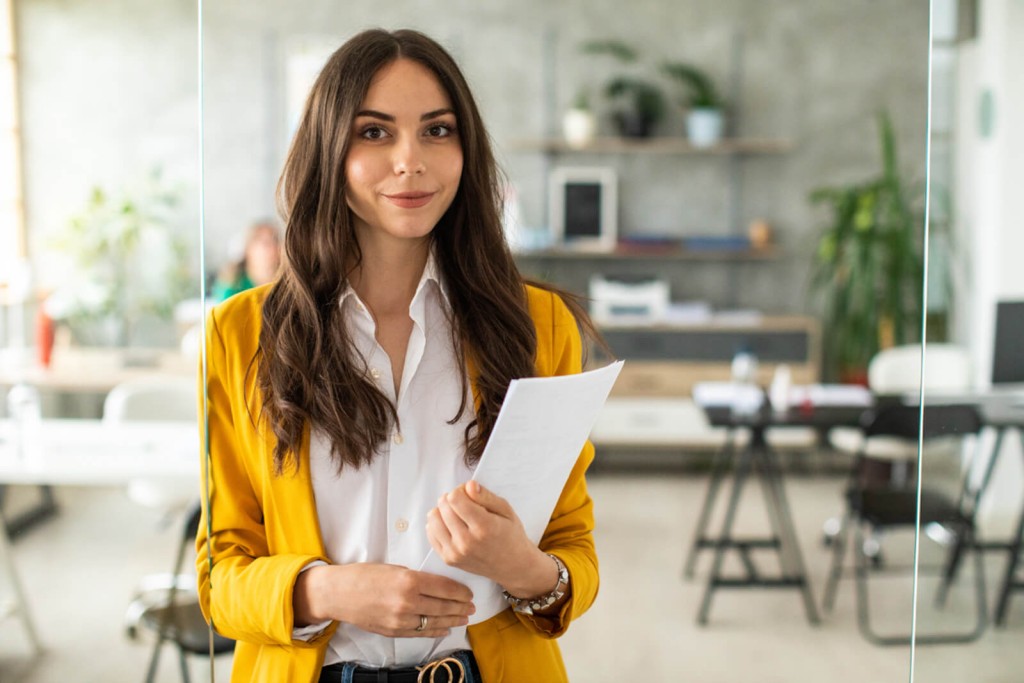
(93,370)
(91,453)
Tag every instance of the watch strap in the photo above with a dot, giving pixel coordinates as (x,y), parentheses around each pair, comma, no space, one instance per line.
(541,602)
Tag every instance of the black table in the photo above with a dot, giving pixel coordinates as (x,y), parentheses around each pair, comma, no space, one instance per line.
(758,458)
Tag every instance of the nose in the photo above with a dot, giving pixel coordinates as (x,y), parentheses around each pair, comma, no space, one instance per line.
(408,158)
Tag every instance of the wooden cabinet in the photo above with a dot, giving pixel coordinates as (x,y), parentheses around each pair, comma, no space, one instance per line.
(667,360)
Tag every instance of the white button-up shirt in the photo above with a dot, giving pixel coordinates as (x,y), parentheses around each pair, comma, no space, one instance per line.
(378,513)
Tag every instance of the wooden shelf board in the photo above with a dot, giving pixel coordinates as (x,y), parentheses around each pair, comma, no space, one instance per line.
(656,145)
(640,253)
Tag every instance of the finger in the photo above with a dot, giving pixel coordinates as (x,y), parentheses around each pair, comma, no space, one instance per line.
(437,533)
(447,609)
(435,627)
(472,514)
(429,632)
(488,499)
(452,519)
(436,586)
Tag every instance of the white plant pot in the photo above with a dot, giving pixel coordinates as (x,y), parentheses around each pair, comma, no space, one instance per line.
(704,127)
(579,127)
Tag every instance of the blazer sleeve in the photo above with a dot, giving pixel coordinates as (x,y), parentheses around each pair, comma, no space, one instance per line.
(245,590)
(569,534)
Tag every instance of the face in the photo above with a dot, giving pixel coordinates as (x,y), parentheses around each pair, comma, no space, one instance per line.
(404,160)
(263,255)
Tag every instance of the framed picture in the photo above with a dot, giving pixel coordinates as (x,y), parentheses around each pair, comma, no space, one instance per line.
(584,207)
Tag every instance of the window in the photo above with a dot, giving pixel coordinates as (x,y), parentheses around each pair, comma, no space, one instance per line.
(12,224)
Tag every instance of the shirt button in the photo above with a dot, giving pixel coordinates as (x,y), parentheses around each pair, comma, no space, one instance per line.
(397,438)
(402,525)
(375,373)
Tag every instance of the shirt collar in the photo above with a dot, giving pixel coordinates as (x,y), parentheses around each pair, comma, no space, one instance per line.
(432,272)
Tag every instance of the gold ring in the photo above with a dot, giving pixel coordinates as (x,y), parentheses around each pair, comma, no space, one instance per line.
(423,623)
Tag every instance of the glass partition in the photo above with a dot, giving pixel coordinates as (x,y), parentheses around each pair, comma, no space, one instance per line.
(108,101)
(803,88)
(973,337)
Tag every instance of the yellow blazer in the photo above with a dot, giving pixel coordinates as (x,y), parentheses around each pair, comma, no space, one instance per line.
(265,527)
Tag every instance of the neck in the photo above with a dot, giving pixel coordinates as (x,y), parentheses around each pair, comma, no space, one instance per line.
(386,279)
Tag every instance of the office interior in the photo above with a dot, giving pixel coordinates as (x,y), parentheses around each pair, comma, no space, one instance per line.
(111,100)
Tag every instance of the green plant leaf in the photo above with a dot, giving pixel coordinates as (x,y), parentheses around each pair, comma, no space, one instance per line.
(700,90)
(612,47)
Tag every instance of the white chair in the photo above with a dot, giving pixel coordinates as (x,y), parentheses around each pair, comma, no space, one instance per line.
(896,371)
(159,399)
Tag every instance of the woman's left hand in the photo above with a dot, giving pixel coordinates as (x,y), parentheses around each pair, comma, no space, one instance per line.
(476,530)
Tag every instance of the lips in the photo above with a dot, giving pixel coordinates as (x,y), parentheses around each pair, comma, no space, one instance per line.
(410,200)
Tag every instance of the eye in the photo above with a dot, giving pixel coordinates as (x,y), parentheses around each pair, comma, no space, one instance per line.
(440,130)
(373,132)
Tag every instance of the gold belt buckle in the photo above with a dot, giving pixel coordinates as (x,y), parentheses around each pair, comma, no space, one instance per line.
(449,664)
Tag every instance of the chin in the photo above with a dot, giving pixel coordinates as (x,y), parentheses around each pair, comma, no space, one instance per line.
(418,230)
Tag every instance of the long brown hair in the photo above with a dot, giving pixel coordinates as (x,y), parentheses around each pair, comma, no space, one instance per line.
(305,369)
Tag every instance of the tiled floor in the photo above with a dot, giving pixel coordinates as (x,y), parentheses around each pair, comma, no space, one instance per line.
(80,568)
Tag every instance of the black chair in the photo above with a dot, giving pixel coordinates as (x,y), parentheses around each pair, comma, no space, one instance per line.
(168,606)
(1011,583)
(879,505)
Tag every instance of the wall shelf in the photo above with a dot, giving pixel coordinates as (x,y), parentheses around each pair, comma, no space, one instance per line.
(656,145)
(643,253)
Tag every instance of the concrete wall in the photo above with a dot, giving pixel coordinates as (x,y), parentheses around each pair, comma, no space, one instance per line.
(109,89)
(108,92)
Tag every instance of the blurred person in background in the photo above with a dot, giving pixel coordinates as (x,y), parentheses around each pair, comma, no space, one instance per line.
(258,266)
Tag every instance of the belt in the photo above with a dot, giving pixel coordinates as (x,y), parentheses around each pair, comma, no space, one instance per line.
(452,669)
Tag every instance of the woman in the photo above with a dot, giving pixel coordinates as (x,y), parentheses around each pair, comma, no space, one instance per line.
(348,397)
(259,263)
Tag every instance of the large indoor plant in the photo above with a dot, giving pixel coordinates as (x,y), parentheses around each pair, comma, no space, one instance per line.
(868,266)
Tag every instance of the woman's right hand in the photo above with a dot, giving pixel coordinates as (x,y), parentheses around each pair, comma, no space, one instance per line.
(386,599)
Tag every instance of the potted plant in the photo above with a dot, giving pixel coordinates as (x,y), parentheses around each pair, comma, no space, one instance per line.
(641,105)
(638,103)
(868,266)
(126,262)
(579,125)
(705,108)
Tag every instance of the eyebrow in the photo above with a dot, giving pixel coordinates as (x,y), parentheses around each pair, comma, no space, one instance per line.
(388,117)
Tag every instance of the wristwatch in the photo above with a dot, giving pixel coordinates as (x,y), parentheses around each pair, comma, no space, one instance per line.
(529,605)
